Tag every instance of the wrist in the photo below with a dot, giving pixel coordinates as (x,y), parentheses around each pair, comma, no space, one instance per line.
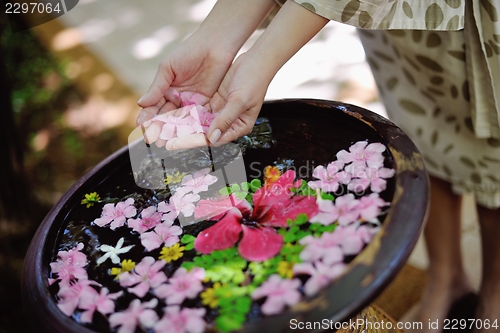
(291,29)
(231,22)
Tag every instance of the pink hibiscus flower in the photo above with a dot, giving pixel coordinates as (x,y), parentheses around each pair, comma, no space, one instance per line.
(116,215)
(373,178)
(186,320)
(215,208)
(147,274)
(165,233)
(330,177)
(182,285)
(149,219)
(69,265)
(320,274)
(137,314)
(272,208)
(102,302)
(198,182)
(279,292)
(362,153)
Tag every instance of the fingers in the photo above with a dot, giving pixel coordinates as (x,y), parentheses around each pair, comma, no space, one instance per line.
(152,132)
(238,129)
(172,95)
(160,143)
(171,102)
(190,141)
(225,119)
(161,83)
(168,107)
(150,112)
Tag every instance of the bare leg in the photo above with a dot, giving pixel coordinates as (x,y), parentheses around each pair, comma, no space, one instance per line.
(489,294)
(447,280)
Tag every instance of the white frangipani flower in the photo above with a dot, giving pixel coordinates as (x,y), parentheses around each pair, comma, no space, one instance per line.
(113,252)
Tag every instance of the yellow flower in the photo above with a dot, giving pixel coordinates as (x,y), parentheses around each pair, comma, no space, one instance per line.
(285,269)
(90,199)
(175,178)
(172,253)
(271,174)
(116,271)
(208,296)
(127,266)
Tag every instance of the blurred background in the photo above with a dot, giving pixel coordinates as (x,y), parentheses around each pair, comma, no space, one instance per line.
(68,100)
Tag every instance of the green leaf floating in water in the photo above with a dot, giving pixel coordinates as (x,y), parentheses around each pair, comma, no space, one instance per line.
(188,241)
(234,305)
(221,266)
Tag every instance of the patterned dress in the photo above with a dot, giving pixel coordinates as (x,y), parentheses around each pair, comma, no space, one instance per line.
(437,67)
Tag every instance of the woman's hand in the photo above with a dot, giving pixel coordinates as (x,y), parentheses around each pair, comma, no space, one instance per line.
(194,66)
(200,63)
(243,89)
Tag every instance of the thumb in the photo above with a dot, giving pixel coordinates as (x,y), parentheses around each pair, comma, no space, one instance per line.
(224,119)
(161,83)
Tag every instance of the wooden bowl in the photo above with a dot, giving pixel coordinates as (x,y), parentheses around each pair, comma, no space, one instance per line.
(304,130)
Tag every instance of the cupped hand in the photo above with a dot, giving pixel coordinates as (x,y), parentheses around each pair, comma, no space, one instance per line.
(236,104)
(195,66)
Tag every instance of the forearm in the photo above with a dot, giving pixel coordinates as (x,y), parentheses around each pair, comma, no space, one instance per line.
(291,29)
(231,22)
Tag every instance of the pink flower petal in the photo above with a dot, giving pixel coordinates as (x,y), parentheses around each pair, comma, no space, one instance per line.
(150,240)
(128,279)
(102,221)
(117,222)
(184,130)
(272,306)
(259,244)
(221,235)
(86,316)
(358,185)
(378,185)
(68,306)
(214,208)
(277,213)
(167,132)
(386,172)
(148,318)
(140,290)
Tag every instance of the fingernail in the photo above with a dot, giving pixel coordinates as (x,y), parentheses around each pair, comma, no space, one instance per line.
(215,136)
(170,144)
